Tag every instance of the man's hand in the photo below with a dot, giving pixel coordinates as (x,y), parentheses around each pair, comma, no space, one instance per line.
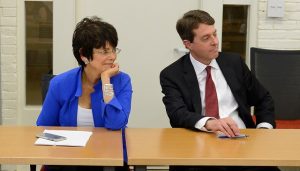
(225,125)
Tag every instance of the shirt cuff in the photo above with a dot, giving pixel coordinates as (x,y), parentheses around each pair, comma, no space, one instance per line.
(201,123)
(264,125)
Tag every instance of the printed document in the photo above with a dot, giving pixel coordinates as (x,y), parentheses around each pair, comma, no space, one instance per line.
(73,138)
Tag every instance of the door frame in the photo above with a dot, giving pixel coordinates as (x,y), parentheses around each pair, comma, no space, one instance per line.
(63,26)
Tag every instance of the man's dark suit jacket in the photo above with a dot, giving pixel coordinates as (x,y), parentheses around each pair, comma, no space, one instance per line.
(182,95)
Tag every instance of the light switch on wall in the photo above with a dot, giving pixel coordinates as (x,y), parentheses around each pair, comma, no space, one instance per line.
(179,52)
(275,8)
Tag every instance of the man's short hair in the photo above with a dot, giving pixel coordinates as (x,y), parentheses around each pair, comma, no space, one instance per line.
(191,21)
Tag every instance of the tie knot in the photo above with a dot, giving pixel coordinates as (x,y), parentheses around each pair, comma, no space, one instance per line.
(208,68)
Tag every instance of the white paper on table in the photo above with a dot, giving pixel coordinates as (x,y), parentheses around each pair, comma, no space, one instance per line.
(74,138)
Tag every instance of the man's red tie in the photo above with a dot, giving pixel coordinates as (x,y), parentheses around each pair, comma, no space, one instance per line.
(211,99)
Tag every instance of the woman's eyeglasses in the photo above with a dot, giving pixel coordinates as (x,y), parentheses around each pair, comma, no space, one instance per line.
(108,52)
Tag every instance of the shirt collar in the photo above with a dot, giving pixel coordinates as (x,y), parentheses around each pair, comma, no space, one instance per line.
(200,67)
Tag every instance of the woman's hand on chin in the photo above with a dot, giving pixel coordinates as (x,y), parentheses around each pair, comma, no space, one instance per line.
(114,70)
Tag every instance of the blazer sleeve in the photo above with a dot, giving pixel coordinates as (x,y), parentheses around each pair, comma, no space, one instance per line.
(116,112)
(49,115)
(177,100)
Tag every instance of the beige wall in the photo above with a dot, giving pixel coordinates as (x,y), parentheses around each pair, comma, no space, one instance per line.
(277,33)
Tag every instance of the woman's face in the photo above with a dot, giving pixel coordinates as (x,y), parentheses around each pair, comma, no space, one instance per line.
(103,59)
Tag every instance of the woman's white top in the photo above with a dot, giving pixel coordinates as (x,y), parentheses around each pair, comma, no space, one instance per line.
(84,117)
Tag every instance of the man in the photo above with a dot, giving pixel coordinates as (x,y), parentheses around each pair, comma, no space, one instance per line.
(212,91)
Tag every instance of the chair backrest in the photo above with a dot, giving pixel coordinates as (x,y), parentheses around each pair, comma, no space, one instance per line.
(45,84)
(279,72)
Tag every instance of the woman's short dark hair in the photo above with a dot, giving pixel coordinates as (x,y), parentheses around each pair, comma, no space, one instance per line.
(92,33)
(191,21)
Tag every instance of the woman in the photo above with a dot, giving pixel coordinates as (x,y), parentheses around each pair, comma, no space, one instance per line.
(96,93)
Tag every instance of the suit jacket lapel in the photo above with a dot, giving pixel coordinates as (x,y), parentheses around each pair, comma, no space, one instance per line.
(229,75)
(226,70)
(192,83)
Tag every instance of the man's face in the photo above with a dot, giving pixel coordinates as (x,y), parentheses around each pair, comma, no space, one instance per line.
(204,48)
